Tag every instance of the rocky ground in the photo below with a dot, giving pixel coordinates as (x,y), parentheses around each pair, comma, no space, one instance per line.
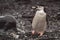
(24,14)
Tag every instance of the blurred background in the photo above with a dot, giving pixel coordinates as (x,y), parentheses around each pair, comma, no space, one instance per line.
(23,12)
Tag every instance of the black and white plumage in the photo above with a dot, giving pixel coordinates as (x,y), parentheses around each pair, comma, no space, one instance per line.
(39,21)
(7,22)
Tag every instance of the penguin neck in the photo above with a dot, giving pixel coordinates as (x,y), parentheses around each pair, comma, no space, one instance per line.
(41,10)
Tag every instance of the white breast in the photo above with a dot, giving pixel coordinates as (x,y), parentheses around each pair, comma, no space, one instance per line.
(39,21)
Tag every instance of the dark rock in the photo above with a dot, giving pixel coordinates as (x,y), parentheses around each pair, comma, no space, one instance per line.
(7,23)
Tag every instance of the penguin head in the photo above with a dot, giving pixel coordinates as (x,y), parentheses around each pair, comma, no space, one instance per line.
(40,11)
(40,8)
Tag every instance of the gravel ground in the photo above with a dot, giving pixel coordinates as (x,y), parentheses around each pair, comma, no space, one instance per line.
(24,14)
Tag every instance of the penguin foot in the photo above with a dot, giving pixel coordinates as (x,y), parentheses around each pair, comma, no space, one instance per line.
(33,32)
(40,33)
